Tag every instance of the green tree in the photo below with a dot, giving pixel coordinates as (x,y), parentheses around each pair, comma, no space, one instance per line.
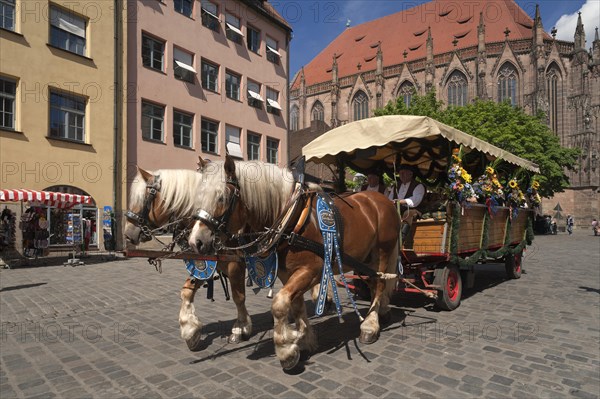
(504,126)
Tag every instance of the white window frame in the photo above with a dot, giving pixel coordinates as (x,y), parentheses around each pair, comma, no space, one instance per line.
(273,54)
(210,81)
(73,119)
(232,90)
(183,65)
(182,7)
(233,136)
(253,147)
(7,15)
(273,106)
(153,120)
(212,137)
(210,15)
(272,150)
(68,31)
(253,39)
(233,28)
(182,129)
(153,43)
(7,104)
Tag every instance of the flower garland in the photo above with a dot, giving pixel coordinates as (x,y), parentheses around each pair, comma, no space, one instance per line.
(532,193)
(489,190)
(460,188)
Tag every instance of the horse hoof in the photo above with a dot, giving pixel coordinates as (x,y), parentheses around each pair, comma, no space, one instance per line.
(290,364)
(237,338)
(385,318)
(304,355)
(367,338)
(195,343)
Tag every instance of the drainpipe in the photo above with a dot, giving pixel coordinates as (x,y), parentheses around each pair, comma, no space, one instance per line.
(117,113)
(287,93)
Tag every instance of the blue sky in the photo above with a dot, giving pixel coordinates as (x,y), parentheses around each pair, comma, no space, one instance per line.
(318,22)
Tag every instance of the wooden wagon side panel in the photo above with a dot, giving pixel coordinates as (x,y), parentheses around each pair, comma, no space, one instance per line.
(497,227)
(430,236)
(519,225)
(471,228)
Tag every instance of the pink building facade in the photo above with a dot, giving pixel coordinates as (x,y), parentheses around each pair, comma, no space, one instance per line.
(203,77)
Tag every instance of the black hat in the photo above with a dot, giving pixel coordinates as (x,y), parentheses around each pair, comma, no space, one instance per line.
(407,167)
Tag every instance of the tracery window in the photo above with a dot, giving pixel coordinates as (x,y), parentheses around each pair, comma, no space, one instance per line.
(552,89)
(406,92)
(507,83)
(457,89)
(318,112)
(360,106)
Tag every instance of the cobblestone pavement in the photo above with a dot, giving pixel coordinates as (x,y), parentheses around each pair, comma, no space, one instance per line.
(110,330)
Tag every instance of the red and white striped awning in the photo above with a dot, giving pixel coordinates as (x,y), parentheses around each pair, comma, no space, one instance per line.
(48,198)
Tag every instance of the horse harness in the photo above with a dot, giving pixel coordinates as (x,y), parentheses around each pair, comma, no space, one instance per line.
(141,219)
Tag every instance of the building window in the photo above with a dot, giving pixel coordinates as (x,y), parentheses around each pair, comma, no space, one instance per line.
(210,76)
(7,14)
(318,112)
(67,116)
(209,15)
(182,129)
(552,83)
(232,141)
(507,84)
(360,105)
(253,147)
(233,28)
(254,98)
(273,101)
(232,85)
(152,53)
(294,118)
(272,150)
(183,65)
(153,117)
(253,39)
(272,50)
(209,130)
(184,7)
(457,89)
(67,31)
(406,92)
(8,90)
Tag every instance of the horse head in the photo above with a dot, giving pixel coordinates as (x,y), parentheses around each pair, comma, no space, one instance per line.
(221,212)
(146,207)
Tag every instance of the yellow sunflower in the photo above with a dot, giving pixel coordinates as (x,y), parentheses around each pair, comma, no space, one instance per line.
(513,184)
(489,170)
(535,185)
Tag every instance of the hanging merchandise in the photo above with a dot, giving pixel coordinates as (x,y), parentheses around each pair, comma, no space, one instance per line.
(34,227)
(7,230)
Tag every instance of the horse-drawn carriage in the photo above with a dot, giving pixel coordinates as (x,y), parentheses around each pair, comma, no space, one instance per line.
(448,240)
(250,214)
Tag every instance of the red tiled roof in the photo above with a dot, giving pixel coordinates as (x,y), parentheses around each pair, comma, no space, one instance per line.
(407,30)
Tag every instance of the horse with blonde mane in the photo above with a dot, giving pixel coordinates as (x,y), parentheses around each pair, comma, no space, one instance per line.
(165,195)
(255,195)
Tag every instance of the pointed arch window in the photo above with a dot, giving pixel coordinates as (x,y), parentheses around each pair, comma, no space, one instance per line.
(507,83)
(318,112)
(406,92)
(553,81)
(360,106)
(294,114)
(457,89)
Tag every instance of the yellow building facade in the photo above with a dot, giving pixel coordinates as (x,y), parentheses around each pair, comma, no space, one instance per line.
(61,111)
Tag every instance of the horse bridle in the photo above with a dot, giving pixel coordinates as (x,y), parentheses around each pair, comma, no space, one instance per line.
(219,225)
(141,219)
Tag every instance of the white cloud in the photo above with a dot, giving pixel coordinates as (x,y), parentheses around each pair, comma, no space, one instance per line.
(590,16)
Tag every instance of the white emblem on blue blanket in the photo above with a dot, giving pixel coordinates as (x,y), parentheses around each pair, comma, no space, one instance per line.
(202,270)
(263,270)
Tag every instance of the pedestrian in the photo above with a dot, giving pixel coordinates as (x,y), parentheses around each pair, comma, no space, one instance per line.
(595,227)
(570,224)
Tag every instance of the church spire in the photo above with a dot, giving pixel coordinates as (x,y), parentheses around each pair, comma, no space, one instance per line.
(579,35)
(538,27)
(429,66)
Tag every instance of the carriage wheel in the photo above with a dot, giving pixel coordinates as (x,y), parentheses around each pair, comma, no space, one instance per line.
(451,292)
(513,264)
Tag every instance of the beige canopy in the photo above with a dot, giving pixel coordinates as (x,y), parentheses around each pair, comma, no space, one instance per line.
(416,140)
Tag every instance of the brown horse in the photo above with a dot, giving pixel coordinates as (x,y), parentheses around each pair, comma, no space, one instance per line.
(170,194)
(254,195)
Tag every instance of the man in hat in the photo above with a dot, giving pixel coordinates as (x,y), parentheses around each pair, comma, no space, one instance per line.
(409,194)
(373,182)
